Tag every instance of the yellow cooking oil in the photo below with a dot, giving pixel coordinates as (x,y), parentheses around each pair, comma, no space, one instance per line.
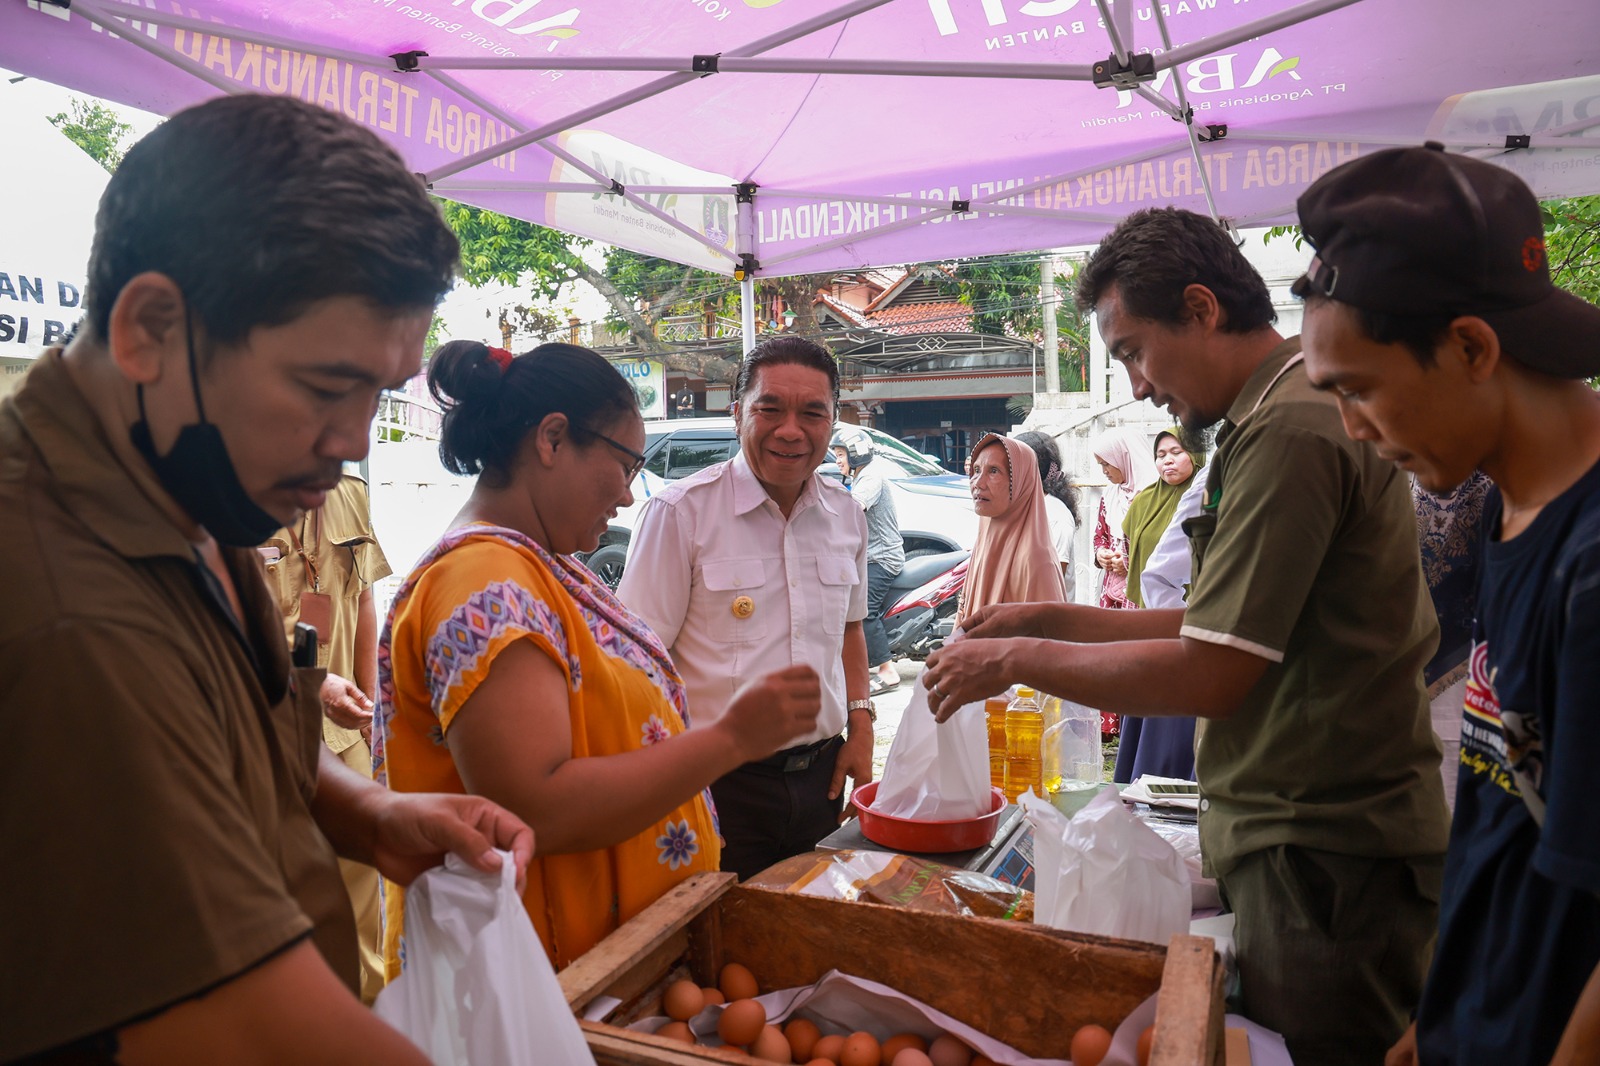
(1024,740)
(1050,756)
(994,713)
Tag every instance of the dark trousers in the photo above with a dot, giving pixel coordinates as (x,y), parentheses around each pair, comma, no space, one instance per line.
(878,580)
(1333,949)
(768,814)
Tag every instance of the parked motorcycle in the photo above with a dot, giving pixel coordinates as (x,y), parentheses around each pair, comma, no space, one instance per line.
(919,612)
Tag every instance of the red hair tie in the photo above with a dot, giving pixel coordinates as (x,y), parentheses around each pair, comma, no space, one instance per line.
(502,358)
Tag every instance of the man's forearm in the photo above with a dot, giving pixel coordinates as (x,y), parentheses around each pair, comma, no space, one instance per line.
(1151,678)
(346,807)
(1082,624)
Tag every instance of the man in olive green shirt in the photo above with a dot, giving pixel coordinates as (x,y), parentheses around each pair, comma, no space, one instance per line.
(1308,623)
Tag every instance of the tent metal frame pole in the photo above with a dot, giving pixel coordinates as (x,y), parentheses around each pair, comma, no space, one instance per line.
(1537,140)
(449,185)
(730,64)
(233,33)
(116,24)
(1118,48)
(853,238)
(895,227)
(652,88)
(1240,34)
(1186,116)
(573,161)
(935,205)
(525,186)
(744,241)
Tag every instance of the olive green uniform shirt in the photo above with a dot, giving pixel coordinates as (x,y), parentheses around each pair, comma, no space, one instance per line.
(1305,553)
(345,557)
(160,755)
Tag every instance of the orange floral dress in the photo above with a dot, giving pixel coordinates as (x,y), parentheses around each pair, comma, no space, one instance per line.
(477,591)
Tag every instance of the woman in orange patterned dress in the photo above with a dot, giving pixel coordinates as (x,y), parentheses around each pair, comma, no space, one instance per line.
(508,670)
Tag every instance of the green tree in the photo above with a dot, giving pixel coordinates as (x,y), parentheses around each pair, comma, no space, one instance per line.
(94,127)
(640,290)
(1572,241)
(1004,294)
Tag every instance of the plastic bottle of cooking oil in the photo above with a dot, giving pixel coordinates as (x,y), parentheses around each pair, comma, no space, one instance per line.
(1024,735)
(994,713)
(1050,754)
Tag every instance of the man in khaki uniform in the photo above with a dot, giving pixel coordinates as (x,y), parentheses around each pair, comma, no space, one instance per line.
(262,269)
(323,569)
(1308,623)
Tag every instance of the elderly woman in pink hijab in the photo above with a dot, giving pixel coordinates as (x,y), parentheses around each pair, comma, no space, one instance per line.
(1014,559)
(1124,457)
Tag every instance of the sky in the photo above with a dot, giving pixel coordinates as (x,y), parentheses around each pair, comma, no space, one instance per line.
(468,313)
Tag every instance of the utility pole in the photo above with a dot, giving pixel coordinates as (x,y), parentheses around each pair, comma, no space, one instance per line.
(1047,307)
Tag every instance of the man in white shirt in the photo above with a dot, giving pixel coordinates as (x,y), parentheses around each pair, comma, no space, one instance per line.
(755,564)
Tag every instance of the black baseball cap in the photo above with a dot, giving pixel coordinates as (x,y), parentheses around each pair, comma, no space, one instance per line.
(1421,232)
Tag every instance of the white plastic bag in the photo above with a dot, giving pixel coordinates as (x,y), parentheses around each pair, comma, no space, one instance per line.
(478,988)
(936,772)
(1105,872)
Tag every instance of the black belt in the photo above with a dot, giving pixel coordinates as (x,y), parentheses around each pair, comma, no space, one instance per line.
(793,760)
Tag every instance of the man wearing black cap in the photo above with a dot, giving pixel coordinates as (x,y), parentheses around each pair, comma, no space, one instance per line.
(1430,315)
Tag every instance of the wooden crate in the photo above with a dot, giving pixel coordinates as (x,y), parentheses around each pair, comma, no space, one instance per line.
(1027,985)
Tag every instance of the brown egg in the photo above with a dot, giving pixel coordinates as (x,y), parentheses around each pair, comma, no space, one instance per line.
(770,1046)
(821,1062)
(1090,1044)
(683,1000)
(741,1022)
(983,1060)
(802,1034)
(1146,1039)
(676,1031)
(946,1050)
(899,1042)
(861,1049)
(737,982)
(829,1048)
(910,1056)
(714,997)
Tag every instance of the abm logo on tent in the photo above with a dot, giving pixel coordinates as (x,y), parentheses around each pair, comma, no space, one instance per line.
(503,13)
(1219,74)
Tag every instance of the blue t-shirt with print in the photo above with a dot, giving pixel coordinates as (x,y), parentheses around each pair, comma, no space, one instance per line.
(1519,924)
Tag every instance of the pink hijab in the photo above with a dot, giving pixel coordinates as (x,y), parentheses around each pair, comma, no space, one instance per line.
(1013,560)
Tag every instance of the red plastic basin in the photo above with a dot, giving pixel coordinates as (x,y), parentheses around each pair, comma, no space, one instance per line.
(904,834)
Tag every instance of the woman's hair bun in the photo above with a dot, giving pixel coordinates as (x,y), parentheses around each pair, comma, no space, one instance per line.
(462,372)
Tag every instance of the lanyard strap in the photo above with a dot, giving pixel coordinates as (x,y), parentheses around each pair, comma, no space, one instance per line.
(309,558)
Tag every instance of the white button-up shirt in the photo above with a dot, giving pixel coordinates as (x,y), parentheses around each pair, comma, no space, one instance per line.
(736,591)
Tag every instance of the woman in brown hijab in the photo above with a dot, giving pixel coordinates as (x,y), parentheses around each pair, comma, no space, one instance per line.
(1014,560)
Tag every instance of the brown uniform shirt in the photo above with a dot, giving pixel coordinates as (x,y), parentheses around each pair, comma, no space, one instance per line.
(340,550)
(1305,554)
(159,755)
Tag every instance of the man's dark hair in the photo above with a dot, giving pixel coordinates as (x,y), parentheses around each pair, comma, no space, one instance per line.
(259,206)
(490,405)
(1153,255)
(787,351)
(1420,334)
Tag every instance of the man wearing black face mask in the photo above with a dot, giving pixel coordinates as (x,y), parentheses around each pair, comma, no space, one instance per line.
(262,268)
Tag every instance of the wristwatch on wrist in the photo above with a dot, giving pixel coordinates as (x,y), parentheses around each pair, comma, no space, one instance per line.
(862,705)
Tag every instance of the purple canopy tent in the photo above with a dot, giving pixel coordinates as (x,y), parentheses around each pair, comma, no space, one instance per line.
(797,136)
